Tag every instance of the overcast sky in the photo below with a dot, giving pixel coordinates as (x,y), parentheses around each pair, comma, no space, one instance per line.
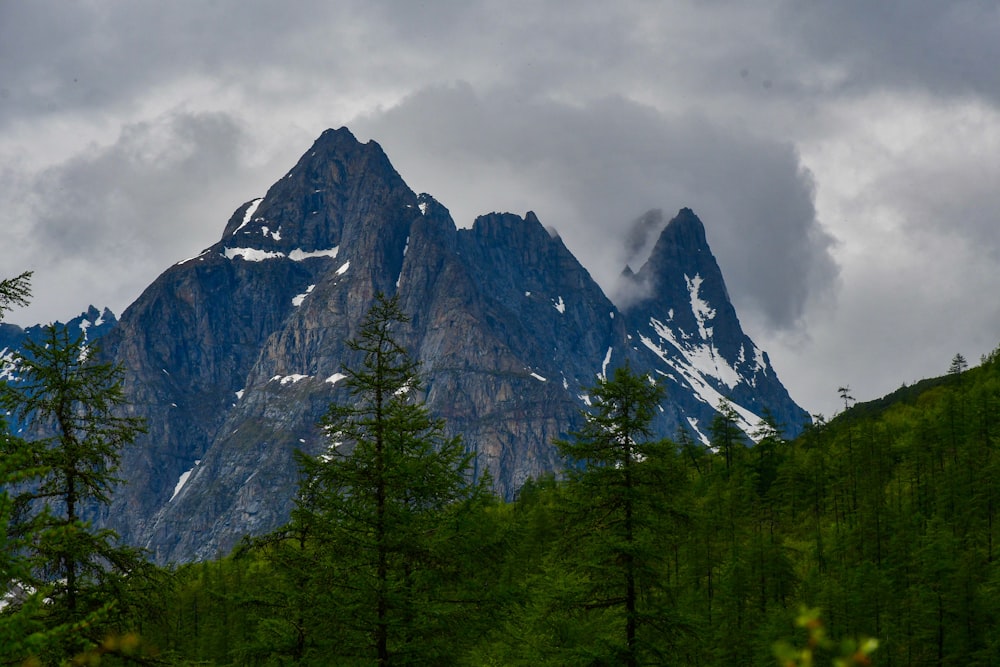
(844,155)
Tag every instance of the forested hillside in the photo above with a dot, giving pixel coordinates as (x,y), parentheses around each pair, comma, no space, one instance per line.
(644,552)
(882,518)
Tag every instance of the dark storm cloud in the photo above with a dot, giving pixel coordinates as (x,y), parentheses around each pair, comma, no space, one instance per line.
(945,48)
(589,170)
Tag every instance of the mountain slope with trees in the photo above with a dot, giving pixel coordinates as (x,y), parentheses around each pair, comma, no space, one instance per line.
(883,520)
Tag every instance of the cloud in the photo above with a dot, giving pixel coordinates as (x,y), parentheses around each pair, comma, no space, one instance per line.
(943,48)
(107,221)
(590,169)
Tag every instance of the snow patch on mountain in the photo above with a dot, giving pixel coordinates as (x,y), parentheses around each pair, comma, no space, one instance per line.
(289,379)
(248,216)
(702,311)
(299,298)
(686,364)
(182,480)
(257,255)
(7,366)
(299,254)
(335,378)
(705,358)
(604,365)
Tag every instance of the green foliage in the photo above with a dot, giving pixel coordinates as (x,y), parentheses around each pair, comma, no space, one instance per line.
(386,523)
(884,519)
(620,522)
(818,645)
(92,586)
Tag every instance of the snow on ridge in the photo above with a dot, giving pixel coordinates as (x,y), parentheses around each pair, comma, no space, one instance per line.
(693,423)
(696,378)
(539,377)
(560,305)
(191,259)
(248,216)
(343,269)
(699,307)
(257,255)
(705,358)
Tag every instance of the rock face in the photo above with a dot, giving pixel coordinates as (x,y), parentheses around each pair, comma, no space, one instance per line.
(90,325)
(234,355)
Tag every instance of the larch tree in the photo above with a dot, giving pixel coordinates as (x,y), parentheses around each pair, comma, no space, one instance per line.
(621,520)
(73,408)
(381,505)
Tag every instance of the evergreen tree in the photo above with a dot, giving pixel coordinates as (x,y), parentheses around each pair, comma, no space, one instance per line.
(20,632)
(724,432)
(74,402)
(621,523)
(383,507)
(14,292)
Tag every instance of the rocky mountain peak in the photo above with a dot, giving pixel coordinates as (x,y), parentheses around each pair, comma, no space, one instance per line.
(339,188)
(233,356)
(687,320)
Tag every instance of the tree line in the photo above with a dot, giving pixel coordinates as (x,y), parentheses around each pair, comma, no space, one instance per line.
(645,551)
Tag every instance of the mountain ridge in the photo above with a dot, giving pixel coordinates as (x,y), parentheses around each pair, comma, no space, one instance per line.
(232,356)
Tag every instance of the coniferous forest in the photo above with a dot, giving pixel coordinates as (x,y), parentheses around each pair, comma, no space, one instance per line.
(868,539)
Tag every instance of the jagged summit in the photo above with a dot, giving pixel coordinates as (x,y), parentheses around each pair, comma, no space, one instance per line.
(687,321)
(320,200)
(234,355)
(682,269)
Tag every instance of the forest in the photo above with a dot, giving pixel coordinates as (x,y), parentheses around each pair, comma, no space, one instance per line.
(868,539)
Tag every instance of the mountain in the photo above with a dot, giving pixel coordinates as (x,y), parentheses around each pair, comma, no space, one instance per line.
(91,325)
(233,356)
(687,322)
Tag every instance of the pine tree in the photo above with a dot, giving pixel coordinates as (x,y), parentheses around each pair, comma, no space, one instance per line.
(621,522)
(74,402)
(20,632)
(14,292)
(383,505)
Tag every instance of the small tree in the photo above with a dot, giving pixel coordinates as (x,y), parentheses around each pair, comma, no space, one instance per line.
(73,403)
(14,292)
(622,517)
(725,433)
(958,364)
